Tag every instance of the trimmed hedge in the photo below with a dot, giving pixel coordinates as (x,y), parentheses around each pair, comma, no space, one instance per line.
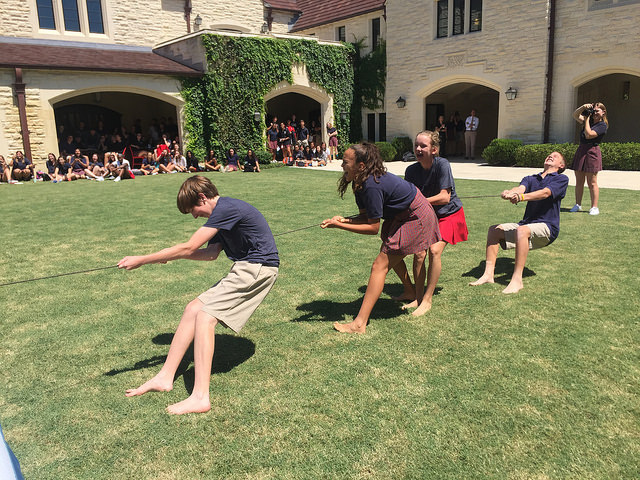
(502,151)
(402,146)
(387,151)
(615,156)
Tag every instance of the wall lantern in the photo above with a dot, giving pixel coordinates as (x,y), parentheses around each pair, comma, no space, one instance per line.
(264,28)
(343,116)
(511,93)
(257,116)
(197,22)
(401,102)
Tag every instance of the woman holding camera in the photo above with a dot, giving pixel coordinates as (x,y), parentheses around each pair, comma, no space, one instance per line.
(587,161)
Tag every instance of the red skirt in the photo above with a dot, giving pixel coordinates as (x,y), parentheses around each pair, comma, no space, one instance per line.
(453,228)
(411,231)
(587,159)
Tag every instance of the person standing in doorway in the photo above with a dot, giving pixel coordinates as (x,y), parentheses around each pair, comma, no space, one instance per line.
(471,130)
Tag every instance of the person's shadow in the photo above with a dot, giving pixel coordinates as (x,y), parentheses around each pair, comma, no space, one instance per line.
(502,273)
(230,351)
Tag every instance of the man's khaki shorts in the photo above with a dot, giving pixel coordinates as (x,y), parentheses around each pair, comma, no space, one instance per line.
(234,298)
(540,235)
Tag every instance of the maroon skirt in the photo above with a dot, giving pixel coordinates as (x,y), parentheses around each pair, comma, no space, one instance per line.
(587,159)
(411,231)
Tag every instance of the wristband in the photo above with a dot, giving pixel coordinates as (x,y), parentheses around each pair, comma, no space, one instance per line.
(522,197)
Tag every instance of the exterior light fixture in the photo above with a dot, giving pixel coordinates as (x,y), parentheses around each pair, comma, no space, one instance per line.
(197,22)
(343,116)
(401,102)
(265,28)
(511,93)
(257,116)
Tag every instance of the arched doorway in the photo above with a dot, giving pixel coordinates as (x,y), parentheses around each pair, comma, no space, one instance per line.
(619,92)
(462,97)
(288,104)
(114,111)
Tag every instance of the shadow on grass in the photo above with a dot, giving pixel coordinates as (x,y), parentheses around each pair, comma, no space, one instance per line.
(503,271)
(230,351)
(395,290)
(331,311)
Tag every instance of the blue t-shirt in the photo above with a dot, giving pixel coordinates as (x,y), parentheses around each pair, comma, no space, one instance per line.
(386,197)
(51,166)
(547,210)
(303,133)
(233,159)
(273,134)
(21,165)
(243,232)
(63,168)
(600,128)
(432,181)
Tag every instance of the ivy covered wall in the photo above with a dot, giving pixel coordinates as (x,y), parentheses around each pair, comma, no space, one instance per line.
(219,106)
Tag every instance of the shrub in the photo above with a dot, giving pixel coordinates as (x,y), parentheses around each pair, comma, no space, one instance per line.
(402,146)
(387,151)
(620,156)
(534,155)
(343,147)
(264,157)
(501,151)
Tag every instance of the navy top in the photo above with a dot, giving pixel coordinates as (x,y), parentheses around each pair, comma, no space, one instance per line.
(233,159)
(303,133)
(21,165)
(243,232)
(386,197)
(273,134)
(51,166)
(547,210)
(432,181)
(63,168)
(600,128)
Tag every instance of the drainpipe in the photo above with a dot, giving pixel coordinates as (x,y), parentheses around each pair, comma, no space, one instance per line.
(187,14)
(19,89)
(549,76)
(269,17)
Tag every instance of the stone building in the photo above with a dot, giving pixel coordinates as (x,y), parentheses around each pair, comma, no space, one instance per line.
(70,62)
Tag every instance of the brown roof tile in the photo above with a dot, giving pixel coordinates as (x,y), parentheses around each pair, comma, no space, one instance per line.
(23,53)
(288,5)
(320,12)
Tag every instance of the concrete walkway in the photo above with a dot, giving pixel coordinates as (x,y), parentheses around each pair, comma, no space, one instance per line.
(476,170)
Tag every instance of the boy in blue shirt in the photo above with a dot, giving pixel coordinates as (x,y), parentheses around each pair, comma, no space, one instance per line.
(242,232)
(540,225)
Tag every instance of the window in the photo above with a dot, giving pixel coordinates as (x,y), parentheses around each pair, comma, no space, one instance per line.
(82,16)
(45,14)
(375,32)
(382,127)
(600,4)
(371,127)
(457,17)
(341,34)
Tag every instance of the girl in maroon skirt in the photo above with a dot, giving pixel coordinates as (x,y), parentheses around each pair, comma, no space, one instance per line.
(410,223)
(587,161)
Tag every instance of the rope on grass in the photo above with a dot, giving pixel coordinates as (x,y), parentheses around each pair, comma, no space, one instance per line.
(57,275)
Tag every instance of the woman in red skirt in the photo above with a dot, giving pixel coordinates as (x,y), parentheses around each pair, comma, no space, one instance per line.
(432,176)
(410,224)
(587,161)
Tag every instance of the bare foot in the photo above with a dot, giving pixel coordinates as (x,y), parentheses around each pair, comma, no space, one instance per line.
(405,297)
(423,308)
(156,384)
(192,404)
(513,287)
(406,306)
(351,327)
(482,280)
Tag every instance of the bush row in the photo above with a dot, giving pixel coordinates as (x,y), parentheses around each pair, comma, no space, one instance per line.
(615,156)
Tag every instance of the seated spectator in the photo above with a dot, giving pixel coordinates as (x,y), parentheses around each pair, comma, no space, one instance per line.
(67,147)
(22,167)
(232,161)
(96,168)
(251,163)
(192,162)
(308,154)
(63,170)
(122,169)
(51,167)
(110,163)
(93,139)
(326,151)
(149,165)
(165,164)
(138,143)
(180,162)
(102,144)
(320,156)
(5,170)
(211,163)
(117,145)
(80,166)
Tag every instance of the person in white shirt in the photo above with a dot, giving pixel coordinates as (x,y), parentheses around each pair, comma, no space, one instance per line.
(471,130)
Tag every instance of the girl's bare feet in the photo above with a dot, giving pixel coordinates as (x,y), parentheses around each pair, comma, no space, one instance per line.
(406,306)
(351,327)
(192,404)
(423,308)
(159,383)
(514,286)
(482,280)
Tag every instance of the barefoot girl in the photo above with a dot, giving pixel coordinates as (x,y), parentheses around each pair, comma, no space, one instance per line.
(410,224)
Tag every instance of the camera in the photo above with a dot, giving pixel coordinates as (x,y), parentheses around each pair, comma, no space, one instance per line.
(587,112)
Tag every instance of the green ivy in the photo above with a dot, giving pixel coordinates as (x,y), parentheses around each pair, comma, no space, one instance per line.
(220,105)
(370,72)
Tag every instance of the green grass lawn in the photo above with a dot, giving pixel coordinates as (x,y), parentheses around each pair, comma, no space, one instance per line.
(541,384)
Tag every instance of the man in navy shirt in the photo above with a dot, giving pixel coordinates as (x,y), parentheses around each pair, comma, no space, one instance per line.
(540,225)
(242,232)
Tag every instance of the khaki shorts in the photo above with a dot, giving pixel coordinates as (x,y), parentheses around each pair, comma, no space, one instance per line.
(540,235)
(234,298)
